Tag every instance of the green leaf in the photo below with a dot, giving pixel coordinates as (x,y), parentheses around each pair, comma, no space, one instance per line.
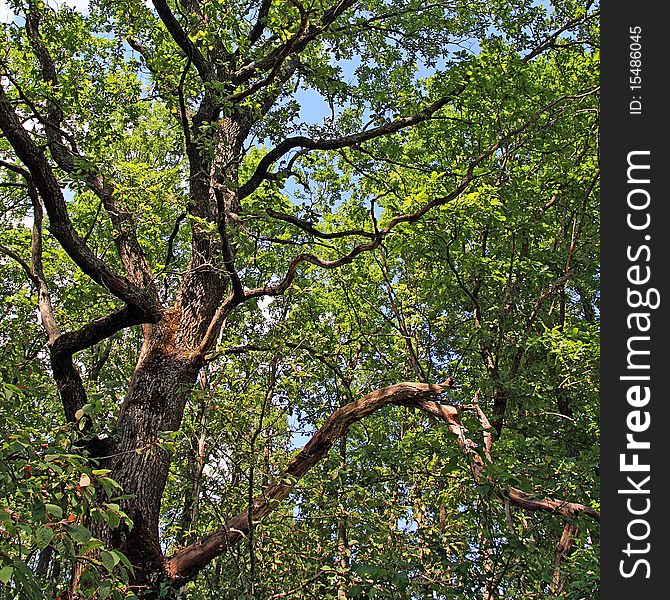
(108,560)
(113,519)
(92,544)
(54,510)
(6,574)
(43,537)
(123,559)
(79,533)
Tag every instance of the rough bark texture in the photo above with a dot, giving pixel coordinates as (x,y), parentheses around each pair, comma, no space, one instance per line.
(155,403)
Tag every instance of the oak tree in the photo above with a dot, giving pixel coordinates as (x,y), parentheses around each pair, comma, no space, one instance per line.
(240,219)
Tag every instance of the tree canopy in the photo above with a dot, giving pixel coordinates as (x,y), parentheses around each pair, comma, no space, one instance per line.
(299,299)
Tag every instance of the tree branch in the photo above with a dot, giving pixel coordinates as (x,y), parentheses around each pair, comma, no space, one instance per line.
(278,289)
(97,330)
(564,548)
(21,262)
(263,167)
(68,380)
(309,228)
(293,46)
(202,65)
(43,296)
(63,346)
(234,300)
(226,248)
(187,562)
(130,251)
(261,20)
(60,224)
(10,166)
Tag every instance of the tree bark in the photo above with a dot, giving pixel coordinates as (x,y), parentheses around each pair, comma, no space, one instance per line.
(155,403)
(564,548)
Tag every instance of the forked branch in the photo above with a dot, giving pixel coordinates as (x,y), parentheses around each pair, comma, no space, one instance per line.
(46,183)
(70,160)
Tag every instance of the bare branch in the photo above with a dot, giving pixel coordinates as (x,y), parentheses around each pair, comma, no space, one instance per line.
(309,228)
(20,261)
(15,168)
(564,548)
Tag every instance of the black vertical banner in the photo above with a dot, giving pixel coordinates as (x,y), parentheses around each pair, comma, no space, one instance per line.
(635,260)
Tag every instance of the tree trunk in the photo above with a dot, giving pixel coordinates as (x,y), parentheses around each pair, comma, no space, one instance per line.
(155,403)
(171,357)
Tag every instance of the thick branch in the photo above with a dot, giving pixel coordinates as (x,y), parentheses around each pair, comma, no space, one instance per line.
(564,548)
(567,509)
(62,346)
(97,330)
(511,494)
(187,562)
(182,40)
(261,20)
(43,296)
(10,166)
(66,375)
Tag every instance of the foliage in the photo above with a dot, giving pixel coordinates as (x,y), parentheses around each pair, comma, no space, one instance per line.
(481,264)
(51,490)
